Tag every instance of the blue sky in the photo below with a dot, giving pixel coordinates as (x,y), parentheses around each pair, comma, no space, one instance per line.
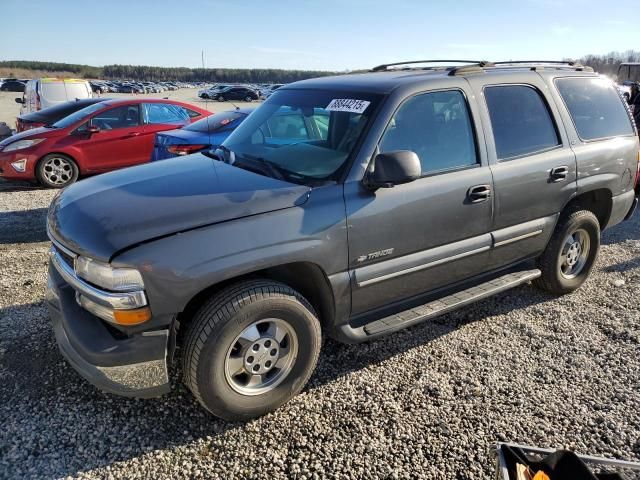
(309,34)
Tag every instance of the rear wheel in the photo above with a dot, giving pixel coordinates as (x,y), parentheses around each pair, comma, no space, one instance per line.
(571,253)
(248,98)
(56,171)
(250,349)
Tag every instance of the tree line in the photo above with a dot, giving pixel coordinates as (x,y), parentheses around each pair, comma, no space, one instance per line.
(606,64)
(180,74)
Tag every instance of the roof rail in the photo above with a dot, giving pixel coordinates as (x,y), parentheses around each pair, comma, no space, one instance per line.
(569,63)
(542,63)
(385,66)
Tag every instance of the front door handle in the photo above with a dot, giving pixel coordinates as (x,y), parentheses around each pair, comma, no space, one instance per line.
(559,174)
(133,134)
(479,193)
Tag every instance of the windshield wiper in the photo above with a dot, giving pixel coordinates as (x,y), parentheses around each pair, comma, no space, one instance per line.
(268,168)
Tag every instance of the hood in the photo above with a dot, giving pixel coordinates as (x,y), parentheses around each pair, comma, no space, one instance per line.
(103,215)
(32,133)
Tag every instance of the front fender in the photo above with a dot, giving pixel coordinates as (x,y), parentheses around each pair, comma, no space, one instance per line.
(178,267)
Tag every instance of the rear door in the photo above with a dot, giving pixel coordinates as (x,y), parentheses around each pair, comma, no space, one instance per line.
(119,143)
(533,165)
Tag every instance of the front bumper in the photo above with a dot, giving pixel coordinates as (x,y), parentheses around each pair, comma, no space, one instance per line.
(132,366)
(10,173)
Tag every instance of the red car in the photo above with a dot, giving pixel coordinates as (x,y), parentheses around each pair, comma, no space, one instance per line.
(98,138)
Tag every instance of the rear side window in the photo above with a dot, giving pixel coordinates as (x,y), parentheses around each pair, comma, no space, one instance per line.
(160,113)
(595,107)
(437,127)
(521,121)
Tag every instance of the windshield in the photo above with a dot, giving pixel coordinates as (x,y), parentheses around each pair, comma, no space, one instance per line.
(214,123)
(77,116)
(303,136)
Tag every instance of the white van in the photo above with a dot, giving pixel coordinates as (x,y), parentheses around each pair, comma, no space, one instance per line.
(45,92)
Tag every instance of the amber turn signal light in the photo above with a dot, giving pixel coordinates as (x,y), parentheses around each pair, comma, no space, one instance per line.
(131,317)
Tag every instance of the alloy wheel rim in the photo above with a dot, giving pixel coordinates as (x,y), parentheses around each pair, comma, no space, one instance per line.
(574,253)
(261,357)
(57,171)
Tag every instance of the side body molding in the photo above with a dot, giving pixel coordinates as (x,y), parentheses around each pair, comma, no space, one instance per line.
(537,232)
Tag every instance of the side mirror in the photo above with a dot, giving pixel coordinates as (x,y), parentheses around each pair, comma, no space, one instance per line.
(91,129)
(19,100)
(393,168)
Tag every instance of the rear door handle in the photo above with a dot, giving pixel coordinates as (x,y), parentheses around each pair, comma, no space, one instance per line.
(479,193)
(559,174)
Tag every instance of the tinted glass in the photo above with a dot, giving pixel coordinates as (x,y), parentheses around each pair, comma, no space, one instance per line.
(119,117)
(58,112)
(216,123)
(595,107)
(165,113)
(522,124)
(437,127)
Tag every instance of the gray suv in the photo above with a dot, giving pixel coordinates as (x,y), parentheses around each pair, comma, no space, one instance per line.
(349,206)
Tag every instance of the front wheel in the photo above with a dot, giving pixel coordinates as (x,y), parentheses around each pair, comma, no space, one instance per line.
(220,98)
(571,253)
(56,171)
(250,349)
(248,99)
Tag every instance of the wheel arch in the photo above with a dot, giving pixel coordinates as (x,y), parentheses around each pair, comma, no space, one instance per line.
(599,201)
(308,278)
(58,152)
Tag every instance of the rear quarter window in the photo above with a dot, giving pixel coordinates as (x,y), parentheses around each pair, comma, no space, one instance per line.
(595,107)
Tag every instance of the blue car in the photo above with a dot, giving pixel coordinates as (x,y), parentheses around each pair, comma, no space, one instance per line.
(204,134)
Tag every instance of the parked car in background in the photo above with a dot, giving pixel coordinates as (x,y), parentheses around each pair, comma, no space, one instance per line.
(204,134)
(49,116)
(99,87)
(46,92)
(12,86)
(235,93)
(101,137)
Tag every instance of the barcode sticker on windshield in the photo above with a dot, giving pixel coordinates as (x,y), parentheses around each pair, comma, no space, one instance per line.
(347,105)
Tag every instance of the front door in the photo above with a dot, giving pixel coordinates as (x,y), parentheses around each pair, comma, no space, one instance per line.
(118,143)
(434,231)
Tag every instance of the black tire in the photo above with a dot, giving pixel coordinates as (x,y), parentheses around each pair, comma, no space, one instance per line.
(46,179)
(248,99)
(213,333)
(551,262)
(220,98)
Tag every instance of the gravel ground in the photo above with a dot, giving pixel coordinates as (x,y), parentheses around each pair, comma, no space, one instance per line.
(428,402)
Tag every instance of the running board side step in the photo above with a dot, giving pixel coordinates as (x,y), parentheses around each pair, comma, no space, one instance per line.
(451,302)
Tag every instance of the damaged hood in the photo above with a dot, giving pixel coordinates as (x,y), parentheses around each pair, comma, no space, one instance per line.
(103,215)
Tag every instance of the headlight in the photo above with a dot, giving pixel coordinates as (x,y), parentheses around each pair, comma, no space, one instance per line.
(20,144)
(105,276)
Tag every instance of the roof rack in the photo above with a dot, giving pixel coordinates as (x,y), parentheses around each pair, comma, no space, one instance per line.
(385,66)
(540,64)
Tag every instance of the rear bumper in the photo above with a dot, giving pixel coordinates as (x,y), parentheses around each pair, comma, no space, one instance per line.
(132,366)
(622,207)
